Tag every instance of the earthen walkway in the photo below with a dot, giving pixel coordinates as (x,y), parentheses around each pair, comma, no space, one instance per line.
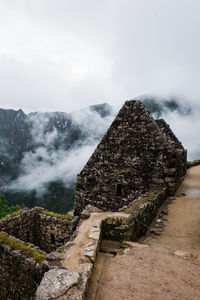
(182,229)
(168,267)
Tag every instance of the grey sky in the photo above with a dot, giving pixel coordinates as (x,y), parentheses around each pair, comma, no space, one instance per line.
(66,54)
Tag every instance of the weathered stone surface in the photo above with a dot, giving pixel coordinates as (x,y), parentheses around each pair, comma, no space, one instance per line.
(20,274)
(88,210)
(55,283)
(136,219)
(90,251)
(22,269)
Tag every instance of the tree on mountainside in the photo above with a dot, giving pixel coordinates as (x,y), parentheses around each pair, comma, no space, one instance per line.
(4,208)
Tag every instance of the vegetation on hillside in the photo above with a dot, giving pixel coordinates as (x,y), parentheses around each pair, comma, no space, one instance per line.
(5,209)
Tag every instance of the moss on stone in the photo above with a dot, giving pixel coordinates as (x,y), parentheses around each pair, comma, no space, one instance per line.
(61,250)
(51,214)
(150,196)
(17,213)
(24,249)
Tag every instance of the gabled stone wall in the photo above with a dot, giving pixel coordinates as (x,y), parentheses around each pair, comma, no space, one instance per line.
(134,156)
(169,135)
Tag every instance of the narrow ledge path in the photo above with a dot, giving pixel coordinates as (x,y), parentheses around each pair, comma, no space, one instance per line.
(182,226)
(167,266)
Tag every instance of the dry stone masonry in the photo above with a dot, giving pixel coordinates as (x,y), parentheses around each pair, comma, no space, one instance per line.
(26,239)
(136,155)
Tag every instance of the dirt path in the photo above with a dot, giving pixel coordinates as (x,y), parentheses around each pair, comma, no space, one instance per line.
(182,229)
(154,271)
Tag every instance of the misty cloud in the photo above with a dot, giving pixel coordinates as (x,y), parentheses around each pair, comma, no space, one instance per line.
(43,167)
(187,129)
(48,163)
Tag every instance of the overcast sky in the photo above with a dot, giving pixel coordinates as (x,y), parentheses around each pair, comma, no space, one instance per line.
(65,54)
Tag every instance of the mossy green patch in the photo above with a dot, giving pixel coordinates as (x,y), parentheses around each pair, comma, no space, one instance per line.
(24,249)
(17,213)
(150,196)
(61,250)
(51,214)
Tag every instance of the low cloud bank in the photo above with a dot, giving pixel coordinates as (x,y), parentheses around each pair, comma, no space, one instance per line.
(51,161)
(187,129)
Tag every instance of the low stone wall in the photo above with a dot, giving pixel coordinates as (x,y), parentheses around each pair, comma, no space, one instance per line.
(76,258)
(21,225)
(42,228)
(193,163)
(21,268)
(53,230)
(138,216)
(26,238)
(174,170)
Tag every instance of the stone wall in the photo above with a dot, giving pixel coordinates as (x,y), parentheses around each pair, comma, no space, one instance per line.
(169,135)
(21,225)
(21,269)
(52,232)
(139,216)
(44,229)
(26,238)
(136,155)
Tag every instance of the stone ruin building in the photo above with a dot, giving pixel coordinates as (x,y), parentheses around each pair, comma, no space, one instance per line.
(136,156)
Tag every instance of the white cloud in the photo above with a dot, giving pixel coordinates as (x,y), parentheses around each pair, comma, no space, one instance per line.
(47,163)
(186,128)
(56,165)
